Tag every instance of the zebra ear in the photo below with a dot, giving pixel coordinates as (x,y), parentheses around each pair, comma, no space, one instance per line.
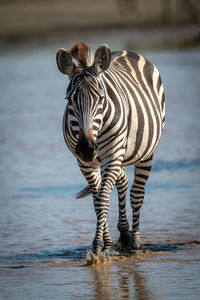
(102,59)
(65,63)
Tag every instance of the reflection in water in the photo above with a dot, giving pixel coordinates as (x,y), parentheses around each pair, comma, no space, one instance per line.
(127,279)
(66,273)
(124,281)
(103,282)
(142,289)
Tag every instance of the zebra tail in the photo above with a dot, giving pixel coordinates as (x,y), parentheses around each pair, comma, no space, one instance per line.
(84,193)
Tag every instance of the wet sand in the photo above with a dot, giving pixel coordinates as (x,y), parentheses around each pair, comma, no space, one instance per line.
(45,232)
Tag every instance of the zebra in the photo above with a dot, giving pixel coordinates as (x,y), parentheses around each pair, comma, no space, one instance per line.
(114,117)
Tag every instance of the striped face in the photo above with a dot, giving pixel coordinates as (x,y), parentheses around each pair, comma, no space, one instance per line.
(86,97)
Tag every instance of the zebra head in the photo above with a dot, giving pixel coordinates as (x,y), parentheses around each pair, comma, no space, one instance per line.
(86,93)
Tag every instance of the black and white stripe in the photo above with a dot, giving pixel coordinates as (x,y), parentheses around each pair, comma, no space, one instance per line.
(114,117)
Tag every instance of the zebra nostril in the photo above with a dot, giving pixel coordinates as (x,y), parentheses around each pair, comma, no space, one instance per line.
(86,149)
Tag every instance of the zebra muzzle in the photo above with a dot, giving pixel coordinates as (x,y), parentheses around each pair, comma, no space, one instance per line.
(86,149)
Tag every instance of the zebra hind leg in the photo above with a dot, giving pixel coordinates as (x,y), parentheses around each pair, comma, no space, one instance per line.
(123,226)
(141,175)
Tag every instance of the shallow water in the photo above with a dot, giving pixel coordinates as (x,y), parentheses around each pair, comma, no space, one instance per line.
(45,232)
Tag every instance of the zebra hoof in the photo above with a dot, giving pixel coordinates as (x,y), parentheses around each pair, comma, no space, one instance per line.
(124,238)
(106,248)
(98,258)
(135,243)
(97,247)
(96,250)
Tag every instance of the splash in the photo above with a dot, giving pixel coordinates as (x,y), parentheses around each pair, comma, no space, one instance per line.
(118,252)
(92,259)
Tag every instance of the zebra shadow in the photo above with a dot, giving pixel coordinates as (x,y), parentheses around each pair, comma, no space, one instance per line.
(167,247)
(26,257)
(158,247)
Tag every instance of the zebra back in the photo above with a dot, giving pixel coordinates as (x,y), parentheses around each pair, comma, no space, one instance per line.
(135,89)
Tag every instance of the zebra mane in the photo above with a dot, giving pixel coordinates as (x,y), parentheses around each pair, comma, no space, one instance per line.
(83,54)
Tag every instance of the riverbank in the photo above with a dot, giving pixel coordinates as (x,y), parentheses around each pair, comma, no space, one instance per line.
(140,24)
(137,38)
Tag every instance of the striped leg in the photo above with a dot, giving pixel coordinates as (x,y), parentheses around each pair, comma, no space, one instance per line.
(141,174)
(101,204)
(123,226)
(95,190)
(106,236)
(94,180)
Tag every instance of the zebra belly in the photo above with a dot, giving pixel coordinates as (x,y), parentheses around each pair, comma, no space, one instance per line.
(141,142)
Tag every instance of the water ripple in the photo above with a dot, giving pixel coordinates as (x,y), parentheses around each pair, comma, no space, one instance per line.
(159,166)
(68,254)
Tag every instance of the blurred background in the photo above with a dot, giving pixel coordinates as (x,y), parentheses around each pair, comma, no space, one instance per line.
(43,229)
(26,21)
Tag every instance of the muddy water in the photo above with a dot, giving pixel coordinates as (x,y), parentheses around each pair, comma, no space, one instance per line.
(45,233)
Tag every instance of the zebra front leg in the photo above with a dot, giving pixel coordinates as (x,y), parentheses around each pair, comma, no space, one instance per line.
(94,180)
(93,177)
(106,238)
(101,204)
(123,226)
(141,175)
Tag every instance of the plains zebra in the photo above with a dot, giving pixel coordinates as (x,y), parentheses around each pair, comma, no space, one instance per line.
(114,118)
